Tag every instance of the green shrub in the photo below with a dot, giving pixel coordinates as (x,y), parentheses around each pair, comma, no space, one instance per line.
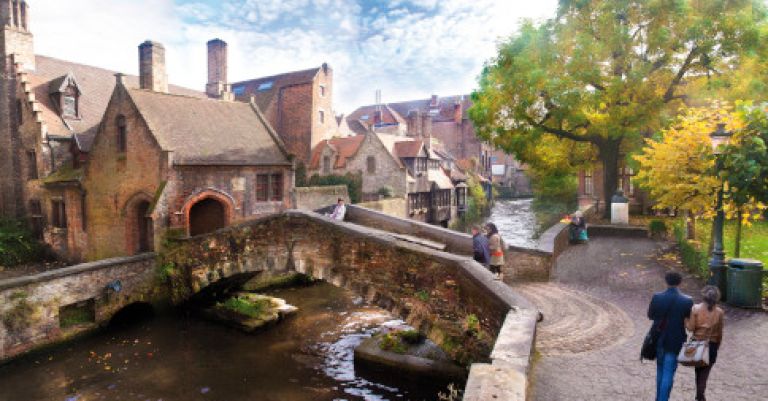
(422,295)
(18,245)
(392,342)
(386,191)
(658,228)
(411,336)
(354,183)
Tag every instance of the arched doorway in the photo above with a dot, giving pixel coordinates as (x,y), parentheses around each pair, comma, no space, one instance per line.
(206,216)
(144,227)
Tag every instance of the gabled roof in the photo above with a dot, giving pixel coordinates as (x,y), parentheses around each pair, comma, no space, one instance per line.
(209,131)
(343,147)
(397,112)
(265,89)
(61,84)
(409,148)
(96,86)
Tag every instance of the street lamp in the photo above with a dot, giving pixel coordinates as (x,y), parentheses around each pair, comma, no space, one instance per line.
(719,138)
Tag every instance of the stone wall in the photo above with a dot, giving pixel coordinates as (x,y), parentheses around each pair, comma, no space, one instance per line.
(30,305)
(397,207)
(313,198)
(536,264)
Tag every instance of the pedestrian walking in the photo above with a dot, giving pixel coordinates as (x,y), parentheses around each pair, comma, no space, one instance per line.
(496,247)
(668,310)
(482,253)
(706,324)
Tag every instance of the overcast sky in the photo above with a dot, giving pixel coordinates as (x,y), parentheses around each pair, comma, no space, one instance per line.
(408,49)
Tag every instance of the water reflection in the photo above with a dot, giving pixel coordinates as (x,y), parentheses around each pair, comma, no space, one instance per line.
(308,357)
(516,221)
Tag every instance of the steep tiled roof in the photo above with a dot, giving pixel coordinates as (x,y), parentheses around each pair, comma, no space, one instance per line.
(408,148)
(445,109)
(96,86)
(344,147)
(265,89)
(209,131)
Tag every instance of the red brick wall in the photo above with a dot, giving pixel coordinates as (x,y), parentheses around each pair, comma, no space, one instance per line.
(233,186)
(294,119)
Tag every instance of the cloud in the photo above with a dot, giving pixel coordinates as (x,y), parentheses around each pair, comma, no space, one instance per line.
(407,48)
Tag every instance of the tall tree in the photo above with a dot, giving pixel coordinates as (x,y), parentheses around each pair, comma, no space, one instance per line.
(609,73)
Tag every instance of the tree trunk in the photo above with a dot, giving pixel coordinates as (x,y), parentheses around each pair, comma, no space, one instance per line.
(737,250)
(609,155)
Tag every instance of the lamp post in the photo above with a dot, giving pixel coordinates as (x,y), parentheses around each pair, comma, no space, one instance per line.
(719,137)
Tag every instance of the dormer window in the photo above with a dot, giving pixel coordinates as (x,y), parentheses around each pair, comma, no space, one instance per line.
(65,93)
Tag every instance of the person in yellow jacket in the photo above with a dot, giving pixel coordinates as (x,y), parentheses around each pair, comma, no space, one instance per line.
(496,246)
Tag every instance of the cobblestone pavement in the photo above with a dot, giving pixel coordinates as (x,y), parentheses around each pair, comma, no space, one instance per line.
(593,355)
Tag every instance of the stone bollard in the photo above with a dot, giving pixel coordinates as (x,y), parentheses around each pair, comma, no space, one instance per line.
(619,208)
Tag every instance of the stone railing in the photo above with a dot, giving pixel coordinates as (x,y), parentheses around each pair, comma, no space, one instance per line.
(455,242)
(31,306)
(536,263)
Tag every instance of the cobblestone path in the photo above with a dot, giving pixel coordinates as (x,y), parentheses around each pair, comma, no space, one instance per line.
(595,319)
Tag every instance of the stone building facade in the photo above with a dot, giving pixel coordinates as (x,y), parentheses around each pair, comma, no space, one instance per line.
(299,105)
(591,189)
(90,198)
(404,166)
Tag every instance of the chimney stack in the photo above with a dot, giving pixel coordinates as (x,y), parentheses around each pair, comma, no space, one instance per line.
(414,124)
(217,86)
(152,74)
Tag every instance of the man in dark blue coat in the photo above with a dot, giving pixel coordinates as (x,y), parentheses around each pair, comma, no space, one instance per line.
(668,310)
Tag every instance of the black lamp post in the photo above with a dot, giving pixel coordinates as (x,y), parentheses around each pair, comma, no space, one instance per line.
(717,264)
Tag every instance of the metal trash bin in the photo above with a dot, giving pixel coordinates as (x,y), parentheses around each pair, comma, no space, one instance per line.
(745,283)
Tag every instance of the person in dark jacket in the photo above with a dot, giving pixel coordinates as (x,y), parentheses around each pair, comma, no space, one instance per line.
(668,310)
(482,253)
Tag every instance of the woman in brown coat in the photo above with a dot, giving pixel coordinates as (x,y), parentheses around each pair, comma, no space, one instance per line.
(496,246)
(706,323)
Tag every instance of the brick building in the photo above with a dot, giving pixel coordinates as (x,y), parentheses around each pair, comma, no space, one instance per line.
(448,124)
(101,169)
(591,189)
(299,105)
(406,165)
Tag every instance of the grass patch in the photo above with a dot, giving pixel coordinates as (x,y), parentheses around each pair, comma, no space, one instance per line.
(695,253)
(247,307)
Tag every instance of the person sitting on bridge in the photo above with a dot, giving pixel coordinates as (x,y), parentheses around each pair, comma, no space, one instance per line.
(339,211)
(578,228)
(482,254)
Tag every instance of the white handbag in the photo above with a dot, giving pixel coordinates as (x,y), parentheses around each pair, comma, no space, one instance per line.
(695,353)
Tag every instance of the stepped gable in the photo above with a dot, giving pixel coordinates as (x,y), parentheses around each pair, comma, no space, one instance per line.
(202,131)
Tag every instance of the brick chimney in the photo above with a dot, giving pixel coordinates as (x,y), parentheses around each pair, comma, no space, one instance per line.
(218,86)
(426,129)
(458,112)
(152,74)
(414,123)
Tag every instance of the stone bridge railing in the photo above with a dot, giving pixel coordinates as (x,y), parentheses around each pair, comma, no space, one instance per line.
(53,306)
(441,293)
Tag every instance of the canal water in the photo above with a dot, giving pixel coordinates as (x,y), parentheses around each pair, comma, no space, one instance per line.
(306,357)
(516,221)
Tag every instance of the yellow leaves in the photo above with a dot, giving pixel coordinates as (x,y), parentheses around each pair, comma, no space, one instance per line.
(678,170)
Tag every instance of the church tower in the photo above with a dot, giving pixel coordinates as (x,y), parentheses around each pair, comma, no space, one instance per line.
(16,48)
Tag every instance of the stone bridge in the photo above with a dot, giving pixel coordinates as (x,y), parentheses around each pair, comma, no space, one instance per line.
(431,284)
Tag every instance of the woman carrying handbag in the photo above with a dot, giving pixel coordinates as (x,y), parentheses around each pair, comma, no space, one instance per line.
(706,324)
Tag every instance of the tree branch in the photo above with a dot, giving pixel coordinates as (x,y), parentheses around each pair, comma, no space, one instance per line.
(558,131)
(669,94)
